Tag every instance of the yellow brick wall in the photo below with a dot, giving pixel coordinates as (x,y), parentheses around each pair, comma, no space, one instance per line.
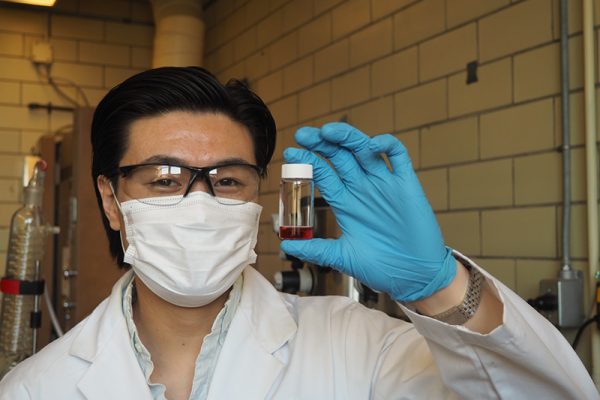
(485,152)
(93,47)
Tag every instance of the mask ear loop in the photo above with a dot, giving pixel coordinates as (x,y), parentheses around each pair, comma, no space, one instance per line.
(121,211)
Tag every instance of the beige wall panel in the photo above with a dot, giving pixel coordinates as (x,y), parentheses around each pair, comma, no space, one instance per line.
(101,53)
(11,44)
(519,129)
(140,35)
(418,22)
(104,8)
(529,274)
(141,57)
(14,117)
(270,184)
(484,184)
(234,24)
(86,75)
(77,28)
(29,140)
(285,111)
(6,212)
(19,69)
(257,64)
(10,93)
(578,175)
(298,75)
(370,43)
(421,105)
(395,72)
(314,101)
(43,93)
(381,8)
(10,190)
(11,166)
(3,239)
(284,50)
(521,26)
(270,28)
(538,179)
(574,14)
(460,11)
(448,53)
(450,142)
(411,141)
(350,16)
(236,71)
(114,76)
(62,49)
(244,44)
(435,186)
(332,60)
(270,87)
(285,139)
(23,21)
(374,117)
(93,95)
(461,231)
(270,203)
(142,12)
(10,141)
(502,269)
(493,89)
(525,232)
(256,10)
(297,13)
(351,88)
(324,5)
(222,58)
(315,34)
(214,38)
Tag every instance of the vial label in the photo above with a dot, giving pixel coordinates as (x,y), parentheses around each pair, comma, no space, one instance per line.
(295,232)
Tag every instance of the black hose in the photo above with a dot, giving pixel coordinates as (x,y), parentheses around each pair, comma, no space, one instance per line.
(581,329)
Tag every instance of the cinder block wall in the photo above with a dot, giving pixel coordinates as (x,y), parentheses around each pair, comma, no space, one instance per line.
(96,43)
(486,153)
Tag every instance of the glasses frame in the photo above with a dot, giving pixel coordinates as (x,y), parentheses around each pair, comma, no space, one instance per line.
(197,172)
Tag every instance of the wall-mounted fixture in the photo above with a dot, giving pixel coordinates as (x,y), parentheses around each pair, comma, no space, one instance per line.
(43,3)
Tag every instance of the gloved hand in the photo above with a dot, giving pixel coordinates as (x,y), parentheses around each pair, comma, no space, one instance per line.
(390,238)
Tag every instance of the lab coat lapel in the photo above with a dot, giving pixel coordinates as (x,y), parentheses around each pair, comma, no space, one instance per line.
(253,356)
(114,372)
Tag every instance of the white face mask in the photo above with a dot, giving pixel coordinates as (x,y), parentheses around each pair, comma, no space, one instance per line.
(192,252)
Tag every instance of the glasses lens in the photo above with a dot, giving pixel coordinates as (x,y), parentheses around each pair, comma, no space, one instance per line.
(234,184)
(157,184)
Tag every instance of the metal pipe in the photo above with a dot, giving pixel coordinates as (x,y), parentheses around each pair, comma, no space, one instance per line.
(591,167)
(566,146)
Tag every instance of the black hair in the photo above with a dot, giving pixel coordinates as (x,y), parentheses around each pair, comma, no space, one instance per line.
(161,90)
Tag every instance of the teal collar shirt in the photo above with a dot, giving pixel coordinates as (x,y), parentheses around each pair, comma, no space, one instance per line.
(209,352)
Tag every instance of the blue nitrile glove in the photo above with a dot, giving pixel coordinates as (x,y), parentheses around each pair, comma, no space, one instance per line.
(390,238)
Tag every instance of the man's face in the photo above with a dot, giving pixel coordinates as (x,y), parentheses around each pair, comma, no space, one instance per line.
(190,139)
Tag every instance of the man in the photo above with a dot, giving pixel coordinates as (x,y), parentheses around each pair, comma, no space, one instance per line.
(177,163)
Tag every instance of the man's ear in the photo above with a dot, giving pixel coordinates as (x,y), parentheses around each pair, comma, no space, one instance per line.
(109,203)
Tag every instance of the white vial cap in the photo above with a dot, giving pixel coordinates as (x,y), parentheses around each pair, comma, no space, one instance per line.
(298,171)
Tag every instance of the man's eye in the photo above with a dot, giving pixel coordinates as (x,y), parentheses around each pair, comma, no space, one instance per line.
(165,182)
(227,182)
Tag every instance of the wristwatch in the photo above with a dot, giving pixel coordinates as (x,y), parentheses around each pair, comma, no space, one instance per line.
(463,312)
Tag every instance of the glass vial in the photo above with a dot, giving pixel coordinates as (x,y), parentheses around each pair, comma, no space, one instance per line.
(296,202)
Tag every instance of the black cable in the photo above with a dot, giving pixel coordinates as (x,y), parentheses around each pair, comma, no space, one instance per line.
(581,329)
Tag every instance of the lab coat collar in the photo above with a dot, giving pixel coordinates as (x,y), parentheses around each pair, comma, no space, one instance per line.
(254,353)
(114,373)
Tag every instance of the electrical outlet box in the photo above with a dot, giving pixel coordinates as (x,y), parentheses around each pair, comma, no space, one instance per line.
(568,291)
(41,53)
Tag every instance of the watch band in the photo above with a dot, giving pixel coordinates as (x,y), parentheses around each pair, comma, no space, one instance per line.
(463,312)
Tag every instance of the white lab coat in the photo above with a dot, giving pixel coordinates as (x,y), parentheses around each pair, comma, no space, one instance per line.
(281,346)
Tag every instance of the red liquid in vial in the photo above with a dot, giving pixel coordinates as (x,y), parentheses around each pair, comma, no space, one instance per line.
(295,232)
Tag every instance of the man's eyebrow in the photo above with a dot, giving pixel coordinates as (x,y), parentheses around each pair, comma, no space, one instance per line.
(164,159)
